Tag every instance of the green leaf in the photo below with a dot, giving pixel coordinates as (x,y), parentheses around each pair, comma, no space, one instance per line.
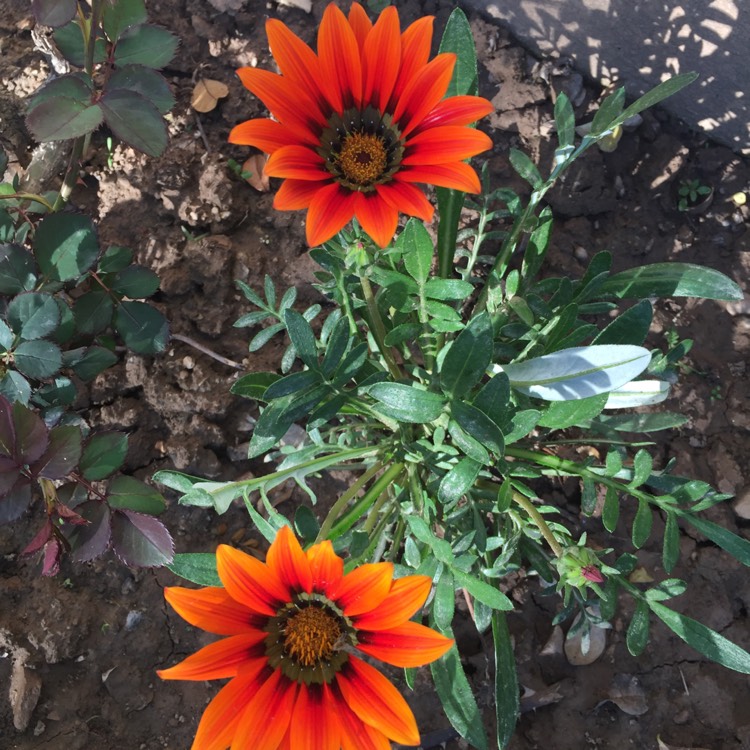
(672,280)
(305,524)
(458,702)
(135,282)
(121,15)
(135,120)
(65,245)
(588,496)
(565,120)
(638,630)
(522,423)
(103,455)
(448,289)
(263,337)
(417,250)
(95,360)
(33,315)
(642,523)
(703,639)
(444,604)
(457,38)
(336,346)
(62,453)
(302,337)
(671,545)
(142,327)
(493,398)
(92,312)
(254,384)
(468,444)
(146,45)
(17,270)
(407,404)
(611,510)
(458,481)
(404,332)
(76,86)
(69,41)
(526,168)
(507,704)
(666,589)
(196,567)
(562,414)
(297,381)
(608,111)
(484,592)
(15,387)
(38,359)
(642,466)
(665,420)
(115,258)
(479,426)
(664,90)
(468,357)
(61,118)
(131,493)
(737,546)
(631,327)
(440,548)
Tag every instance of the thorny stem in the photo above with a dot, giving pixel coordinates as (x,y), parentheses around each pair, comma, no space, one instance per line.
(378,329)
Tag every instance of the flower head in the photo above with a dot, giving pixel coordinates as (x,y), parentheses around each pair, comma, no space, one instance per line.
(294,626)
(359,123)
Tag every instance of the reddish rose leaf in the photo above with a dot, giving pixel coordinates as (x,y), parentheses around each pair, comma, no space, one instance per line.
(70,516)
(52,554)
(32,436)
(62,454)
(7,428)
(141,540)
(41,538)
(9,473)
(16,501)
(88,542)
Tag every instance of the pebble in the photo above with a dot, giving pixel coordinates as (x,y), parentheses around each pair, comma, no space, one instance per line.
(25,687)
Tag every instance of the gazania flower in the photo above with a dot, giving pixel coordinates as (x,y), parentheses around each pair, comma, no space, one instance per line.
(358,124)
(294,626)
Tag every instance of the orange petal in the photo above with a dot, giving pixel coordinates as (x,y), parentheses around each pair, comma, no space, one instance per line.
(286,558)
(456,110)
(297,62)
(265,718)
(376,702)
(381,59)
(222,715)
(296,194)
(340,61)
(445,144)
(408,645)
(315,724)
(285,101)
(425,90)
(355,734)
(363,589)
(406,596)
(327,567)
(407,199)
(360,23)
(415,51)
(267,135)
(330,209)
(377,216)
(213,610)
(250,581)
(298,162)
(218,660)
(458,176)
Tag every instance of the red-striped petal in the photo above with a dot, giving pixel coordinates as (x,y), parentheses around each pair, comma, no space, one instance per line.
(445,144)
(406,198)
(213,610)
(250,581)
(340,61)
(415,51)
(376,702)
(425,90)
(297,162)
(363,589)
(286,558)
(265,719)
(315,724)
(377,217)
(267,135)
(296,194)
(355,734)
(408,645)
(405,598)
(457,176)
(330,209)
(218,660)
(456,110)
(222,715)
(381,59)
(327,567)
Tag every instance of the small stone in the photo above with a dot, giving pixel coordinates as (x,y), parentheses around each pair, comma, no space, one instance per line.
(682,717)
(39,728)
(25,687)
(741,505)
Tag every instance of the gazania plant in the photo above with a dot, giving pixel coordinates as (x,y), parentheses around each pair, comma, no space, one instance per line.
(451,377)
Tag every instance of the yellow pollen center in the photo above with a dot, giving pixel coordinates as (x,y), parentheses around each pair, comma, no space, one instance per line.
(363,158)
(310,636)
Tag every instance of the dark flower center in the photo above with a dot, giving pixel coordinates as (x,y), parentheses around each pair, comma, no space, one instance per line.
(361,149)
(308,639)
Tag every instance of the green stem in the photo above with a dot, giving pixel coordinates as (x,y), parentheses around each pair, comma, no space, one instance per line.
(28,197)
(376,325)
(539,522)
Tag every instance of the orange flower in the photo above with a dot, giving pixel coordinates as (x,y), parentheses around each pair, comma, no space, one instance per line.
(294,625)
(360,122)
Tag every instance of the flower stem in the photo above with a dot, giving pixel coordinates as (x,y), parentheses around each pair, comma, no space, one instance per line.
(376,325)
(539,522)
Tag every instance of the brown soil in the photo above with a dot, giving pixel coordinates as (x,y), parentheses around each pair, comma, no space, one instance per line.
(92,637)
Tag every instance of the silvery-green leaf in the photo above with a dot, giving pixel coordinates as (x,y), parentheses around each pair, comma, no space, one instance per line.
(579,372)
(638,393)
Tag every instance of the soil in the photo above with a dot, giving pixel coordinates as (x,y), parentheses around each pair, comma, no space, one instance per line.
(80,649)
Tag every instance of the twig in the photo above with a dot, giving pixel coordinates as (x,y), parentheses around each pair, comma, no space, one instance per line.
(192,342)
(202,132)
